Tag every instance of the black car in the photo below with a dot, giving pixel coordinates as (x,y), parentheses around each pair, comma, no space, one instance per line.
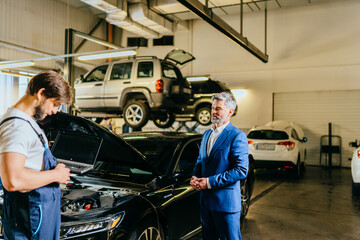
(199,106)
(139,187)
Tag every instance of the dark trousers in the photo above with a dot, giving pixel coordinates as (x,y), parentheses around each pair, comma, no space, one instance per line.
(220,225)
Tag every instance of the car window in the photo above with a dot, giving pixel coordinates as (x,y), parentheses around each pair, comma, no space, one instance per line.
(97,75)
(207,87)
(145,69)
(188,159)
(121,71)
(294,134)
(169,71)
(268,135)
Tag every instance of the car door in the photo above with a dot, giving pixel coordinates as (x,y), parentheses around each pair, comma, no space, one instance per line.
(300,144)
(120,78)
(184,212)
(89,92)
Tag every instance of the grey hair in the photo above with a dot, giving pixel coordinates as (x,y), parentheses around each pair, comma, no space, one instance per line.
(227,97)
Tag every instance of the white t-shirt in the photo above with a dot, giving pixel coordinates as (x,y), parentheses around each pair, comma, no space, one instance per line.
(17,135)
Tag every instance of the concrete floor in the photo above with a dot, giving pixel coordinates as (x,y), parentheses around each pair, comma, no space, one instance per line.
(316,206)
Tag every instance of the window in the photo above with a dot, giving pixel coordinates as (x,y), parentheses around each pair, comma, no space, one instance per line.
(268,135)
(145,69)
(137,42)
(188,159)
(169,71)
(294,134)
(164,41)
(97,75)
(121,71)
(208,87)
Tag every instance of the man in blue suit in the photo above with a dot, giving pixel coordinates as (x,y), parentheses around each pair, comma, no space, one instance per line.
(222,163)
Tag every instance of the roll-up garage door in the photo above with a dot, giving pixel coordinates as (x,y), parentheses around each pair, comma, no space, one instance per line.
(314,111)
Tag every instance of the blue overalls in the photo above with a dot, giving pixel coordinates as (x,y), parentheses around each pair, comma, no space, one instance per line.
(34,214)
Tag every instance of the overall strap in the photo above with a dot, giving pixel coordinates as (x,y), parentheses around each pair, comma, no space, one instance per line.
(38,134)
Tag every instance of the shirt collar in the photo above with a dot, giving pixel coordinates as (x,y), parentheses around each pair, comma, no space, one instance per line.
(221,128)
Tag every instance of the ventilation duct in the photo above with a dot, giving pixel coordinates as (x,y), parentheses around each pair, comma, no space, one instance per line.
(141,14)
(134,27)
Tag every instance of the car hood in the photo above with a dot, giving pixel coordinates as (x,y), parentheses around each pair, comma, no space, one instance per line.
(113,148)
(179,56)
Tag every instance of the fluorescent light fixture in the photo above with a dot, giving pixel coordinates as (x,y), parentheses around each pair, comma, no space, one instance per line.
(107,55)
(239,93)
(18,74)
(17,64)
(194,79)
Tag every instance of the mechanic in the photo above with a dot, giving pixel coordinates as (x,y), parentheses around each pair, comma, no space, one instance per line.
(222,163)
(29,173)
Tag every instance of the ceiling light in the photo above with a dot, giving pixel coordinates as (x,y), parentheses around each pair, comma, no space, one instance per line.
(239,93)
(107,55)
(18,74)
(17,64)
(194,79)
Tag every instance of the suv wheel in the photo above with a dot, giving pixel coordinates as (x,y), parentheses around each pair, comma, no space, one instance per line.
(164,120)
(136,114)
(203,116)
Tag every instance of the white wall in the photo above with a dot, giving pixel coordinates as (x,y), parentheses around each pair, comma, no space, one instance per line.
(314,47)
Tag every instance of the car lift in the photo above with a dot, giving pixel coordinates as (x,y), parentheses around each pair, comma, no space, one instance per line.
(187,128)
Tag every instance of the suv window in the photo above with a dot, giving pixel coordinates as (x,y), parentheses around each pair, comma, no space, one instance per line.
(121,71)
(268,135)
(208,87)
(169,71)
(145,69)
(294,134)
(97,75)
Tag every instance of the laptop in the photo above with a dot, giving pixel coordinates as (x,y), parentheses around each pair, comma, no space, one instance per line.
(77,151)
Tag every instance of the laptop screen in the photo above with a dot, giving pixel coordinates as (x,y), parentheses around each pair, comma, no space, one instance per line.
(76,147)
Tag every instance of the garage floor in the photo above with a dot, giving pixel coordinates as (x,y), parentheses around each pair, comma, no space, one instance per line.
(317,206)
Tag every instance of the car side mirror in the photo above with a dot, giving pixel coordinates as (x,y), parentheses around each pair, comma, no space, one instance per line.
(177,177)
(354,144)
(304,139)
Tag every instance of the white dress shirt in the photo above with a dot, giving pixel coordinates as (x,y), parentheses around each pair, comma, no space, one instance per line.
(214,135)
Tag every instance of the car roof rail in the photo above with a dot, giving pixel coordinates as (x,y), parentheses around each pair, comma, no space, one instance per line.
(141,57)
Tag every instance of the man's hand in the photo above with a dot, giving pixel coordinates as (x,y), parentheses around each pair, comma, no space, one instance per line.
(198,183)
(63,173)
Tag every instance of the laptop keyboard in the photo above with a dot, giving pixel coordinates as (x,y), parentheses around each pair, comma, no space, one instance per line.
(74,166)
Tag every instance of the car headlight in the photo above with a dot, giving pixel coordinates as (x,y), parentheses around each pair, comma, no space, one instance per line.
(79,228)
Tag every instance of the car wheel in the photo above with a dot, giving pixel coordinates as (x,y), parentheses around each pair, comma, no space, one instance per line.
(147,231)
(136,114)
(297,169)
(203,116)
(245,201)
(355,189)
(165,120)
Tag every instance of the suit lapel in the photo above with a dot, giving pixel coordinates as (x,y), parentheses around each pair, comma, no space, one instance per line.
(225,133)
(206,139)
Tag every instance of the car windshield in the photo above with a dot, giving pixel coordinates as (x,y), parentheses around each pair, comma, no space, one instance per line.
(268,135)
(158,151)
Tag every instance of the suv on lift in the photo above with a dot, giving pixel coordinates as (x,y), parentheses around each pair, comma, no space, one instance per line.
(137,89)
(199,106)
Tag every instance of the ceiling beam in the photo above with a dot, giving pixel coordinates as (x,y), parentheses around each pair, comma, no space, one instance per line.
(206,14)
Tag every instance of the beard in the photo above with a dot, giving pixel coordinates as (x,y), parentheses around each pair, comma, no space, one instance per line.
(39,113)
(218,119)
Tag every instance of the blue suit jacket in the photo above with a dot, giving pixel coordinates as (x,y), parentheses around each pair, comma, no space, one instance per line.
(225,166)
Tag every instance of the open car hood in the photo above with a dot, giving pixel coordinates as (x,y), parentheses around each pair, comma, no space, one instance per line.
(179,56)
(113,148)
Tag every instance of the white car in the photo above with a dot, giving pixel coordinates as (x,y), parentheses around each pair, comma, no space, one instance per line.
(355,169)
(278,144)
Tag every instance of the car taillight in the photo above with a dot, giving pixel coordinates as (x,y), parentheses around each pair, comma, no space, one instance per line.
(250,142)
(159,86)
(288,144)
(358,152)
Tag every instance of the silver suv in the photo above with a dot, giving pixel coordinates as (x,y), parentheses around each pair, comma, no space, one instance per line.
(137,89)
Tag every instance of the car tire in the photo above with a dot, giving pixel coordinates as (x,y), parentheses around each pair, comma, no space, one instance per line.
(245,201)
(355,189)
(147,230)
(164,121)
(203,116)
(136,114)
(297,169)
